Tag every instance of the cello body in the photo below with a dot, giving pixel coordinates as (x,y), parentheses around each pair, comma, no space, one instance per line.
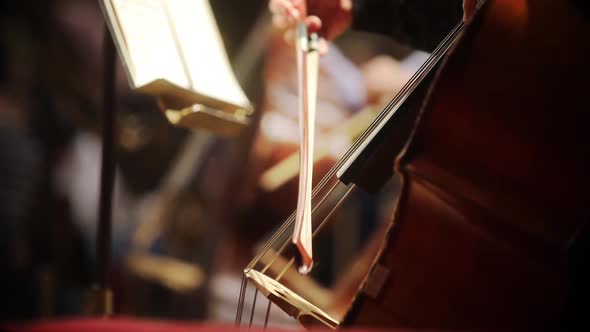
(494,179)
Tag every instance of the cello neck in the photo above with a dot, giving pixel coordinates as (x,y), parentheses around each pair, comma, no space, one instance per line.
(387,135)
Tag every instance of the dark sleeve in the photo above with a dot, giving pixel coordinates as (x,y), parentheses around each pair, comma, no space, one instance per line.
(421,24)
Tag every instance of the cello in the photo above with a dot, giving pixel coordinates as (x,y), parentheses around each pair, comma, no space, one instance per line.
(493,185)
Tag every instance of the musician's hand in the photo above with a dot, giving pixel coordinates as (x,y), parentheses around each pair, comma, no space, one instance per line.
(328,17)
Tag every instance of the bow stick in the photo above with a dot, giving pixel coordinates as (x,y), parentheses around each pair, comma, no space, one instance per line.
(307,76)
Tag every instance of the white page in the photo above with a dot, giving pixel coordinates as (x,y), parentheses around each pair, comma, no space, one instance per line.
(150,42)
(204,52)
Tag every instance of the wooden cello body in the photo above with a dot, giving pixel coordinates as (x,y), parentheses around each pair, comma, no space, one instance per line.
(495,179)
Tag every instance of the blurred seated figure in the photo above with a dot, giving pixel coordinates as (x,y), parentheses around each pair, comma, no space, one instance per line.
(45,261)
(50,68)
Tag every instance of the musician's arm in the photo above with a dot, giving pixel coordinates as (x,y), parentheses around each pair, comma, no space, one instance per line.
(419,23)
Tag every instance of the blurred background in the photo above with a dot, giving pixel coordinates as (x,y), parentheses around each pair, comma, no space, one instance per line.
(180,239)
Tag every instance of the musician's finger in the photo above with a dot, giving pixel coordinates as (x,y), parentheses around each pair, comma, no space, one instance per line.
(314,24)
(294,13)
(279,6)
(299,4)
(273,6)
(289,37)
(346,5)
(290,9)
(284,14)
(280,22)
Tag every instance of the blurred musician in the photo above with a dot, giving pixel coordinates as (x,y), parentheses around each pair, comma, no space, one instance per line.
(50,62)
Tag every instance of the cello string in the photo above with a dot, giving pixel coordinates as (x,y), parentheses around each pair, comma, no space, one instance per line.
(267,315)
(292,261)
(287,266)
(287,243)
(240,309)
(253,307)
(278,278)
(289,221)
(334,209)
(315,233)
(412,83)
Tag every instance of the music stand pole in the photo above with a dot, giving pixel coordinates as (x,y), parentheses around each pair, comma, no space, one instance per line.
(101,302)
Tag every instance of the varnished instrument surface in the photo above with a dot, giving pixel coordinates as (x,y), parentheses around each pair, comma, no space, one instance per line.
(495,179)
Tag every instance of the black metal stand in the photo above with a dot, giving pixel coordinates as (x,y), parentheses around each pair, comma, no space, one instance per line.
(101,298)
